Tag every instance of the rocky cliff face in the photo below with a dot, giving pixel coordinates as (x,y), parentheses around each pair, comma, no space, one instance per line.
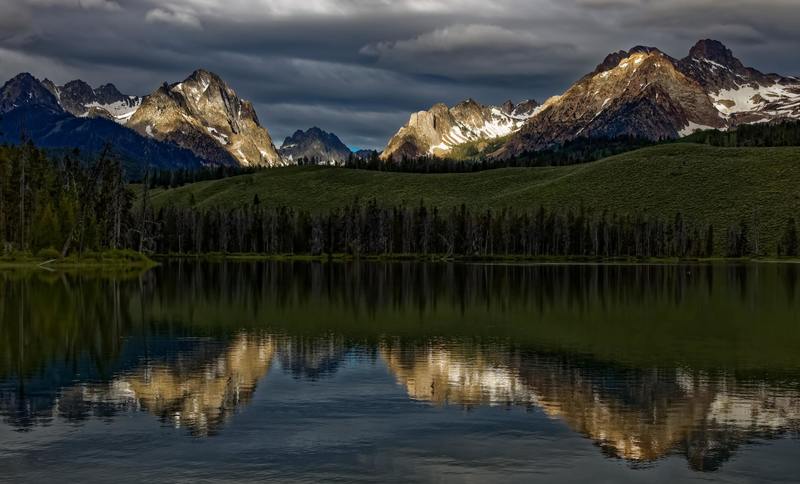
(204,115)
(436,131)
(316,146)
(647,94)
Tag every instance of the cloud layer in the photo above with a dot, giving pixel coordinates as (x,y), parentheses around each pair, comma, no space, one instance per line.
(359,67)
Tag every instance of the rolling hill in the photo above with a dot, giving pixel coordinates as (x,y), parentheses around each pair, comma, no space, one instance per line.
(721,186)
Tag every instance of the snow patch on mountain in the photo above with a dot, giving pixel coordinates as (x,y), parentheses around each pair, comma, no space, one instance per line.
(221,138)
(748,98)
(120,111)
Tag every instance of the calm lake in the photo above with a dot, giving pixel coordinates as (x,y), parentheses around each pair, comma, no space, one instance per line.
(298,371)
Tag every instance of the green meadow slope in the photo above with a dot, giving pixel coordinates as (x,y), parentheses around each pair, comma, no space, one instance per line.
(707,184)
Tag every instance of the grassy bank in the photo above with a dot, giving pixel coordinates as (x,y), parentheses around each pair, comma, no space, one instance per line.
(720,186)
(46,260)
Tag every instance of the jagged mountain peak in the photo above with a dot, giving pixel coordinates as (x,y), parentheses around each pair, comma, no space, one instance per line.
(201,74)
(614,59)
(717,69)
(200,81)
(78,85)
(314,130)
(203,114)
(23,79)
(75,96)
(206,80)
(317,145)
(23,90)
(715,51)
(108,93)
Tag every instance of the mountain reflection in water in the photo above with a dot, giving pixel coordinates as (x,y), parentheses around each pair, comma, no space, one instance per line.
(635,414)
(645,361)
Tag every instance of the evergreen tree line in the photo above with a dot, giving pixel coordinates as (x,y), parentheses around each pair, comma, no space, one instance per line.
(367,229)
(62,204)
(581,150)
(157,178)
(751,135)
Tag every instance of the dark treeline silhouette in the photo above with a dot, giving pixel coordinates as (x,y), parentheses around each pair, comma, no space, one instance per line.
(751,135)
(63,204)
(581,150)
(178,178)
(371,230)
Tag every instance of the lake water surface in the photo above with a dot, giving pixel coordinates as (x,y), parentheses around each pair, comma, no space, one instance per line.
(384,372)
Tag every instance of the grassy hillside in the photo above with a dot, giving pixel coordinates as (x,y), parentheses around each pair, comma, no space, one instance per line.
(707,184)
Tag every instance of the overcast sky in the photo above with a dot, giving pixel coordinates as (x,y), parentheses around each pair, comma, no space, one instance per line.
(359,67)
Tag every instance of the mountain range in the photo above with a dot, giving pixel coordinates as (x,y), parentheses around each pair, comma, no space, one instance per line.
(200,121)
(645,93)
(30,110)
(641,93)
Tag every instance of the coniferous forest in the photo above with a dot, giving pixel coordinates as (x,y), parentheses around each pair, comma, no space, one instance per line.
(64,206)
(367,229)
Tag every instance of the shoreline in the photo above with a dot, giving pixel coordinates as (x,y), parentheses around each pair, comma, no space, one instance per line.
(123,260)
(433,258)
(142,262)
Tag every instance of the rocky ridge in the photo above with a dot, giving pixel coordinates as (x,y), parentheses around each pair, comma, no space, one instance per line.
(436,131)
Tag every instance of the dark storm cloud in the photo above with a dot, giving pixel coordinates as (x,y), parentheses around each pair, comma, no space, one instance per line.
(359,67)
